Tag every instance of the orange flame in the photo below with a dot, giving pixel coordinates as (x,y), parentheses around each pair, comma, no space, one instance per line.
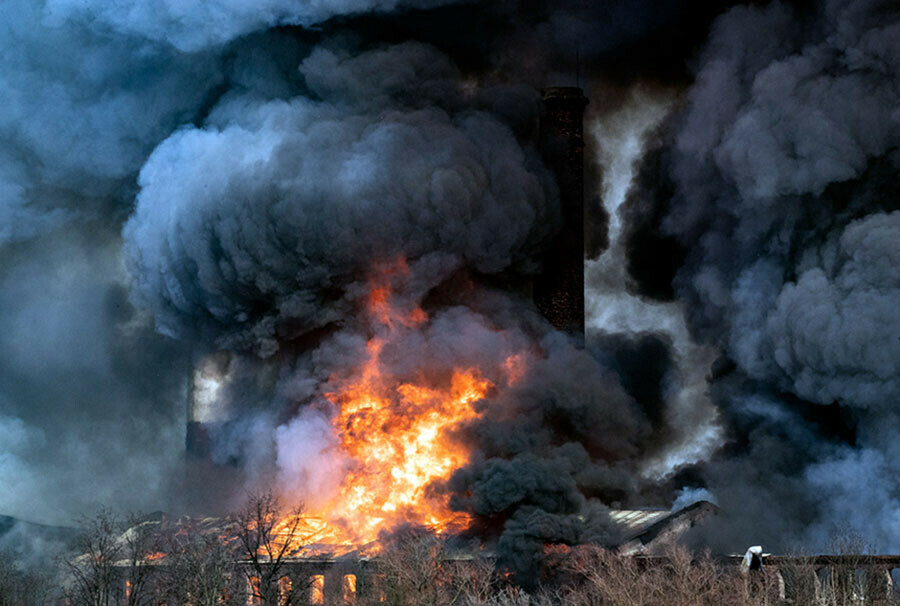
(398,436)
(157,555)
(398,439)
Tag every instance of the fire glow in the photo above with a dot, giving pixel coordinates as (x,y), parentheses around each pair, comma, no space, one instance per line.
(397,435)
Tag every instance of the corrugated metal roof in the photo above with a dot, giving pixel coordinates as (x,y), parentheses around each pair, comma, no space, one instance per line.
(634,521)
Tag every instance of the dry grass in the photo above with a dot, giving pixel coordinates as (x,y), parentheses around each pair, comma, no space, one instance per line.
(603,578)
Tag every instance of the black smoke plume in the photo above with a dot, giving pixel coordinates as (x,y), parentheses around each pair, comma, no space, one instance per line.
(201,177)
(776,183)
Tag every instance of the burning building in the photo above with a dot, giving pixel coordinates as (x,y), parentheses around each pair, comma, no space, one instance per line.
(390,442)
(359,205)
(277,565)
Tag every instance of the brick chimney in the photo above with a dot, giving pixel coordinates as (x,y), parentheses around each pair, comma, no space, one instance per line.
(559,290)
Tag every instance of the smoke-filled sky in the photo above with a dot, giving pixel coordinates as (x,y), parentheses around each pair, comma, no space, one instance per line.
(182,177)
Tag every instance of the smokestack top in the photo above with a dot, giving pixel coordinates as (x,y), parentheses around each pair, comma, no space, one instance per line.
(563,93)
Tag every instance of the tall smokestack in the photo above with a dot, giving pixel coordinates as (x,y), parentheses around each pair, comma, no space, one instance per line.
(559,290)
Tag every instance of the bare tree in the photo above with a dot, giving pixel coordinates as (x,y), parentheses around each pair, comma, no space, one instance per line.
(111,563)
(268,536)
(141,547)
(601,577)
(23,588)
(510,595)
(474,580)
(416,568)
(675,579)
(200,570)
(94,577)
(411,570)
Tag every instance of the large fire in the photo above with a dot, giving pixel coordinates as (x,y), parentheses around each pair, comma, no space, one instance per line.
(397,436)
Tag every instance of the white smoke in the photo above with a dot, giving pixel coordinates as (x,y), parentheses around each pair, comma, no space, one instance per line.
(310,464)
(611,309)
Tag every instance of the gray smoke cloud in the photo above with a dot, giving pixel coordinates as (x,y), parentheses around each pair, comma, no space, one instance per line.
(193,25)
(104,104)
(91,396)
(777,168)
(826,336)
(181,178)
(550,455)
(265,249)
(97,426)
